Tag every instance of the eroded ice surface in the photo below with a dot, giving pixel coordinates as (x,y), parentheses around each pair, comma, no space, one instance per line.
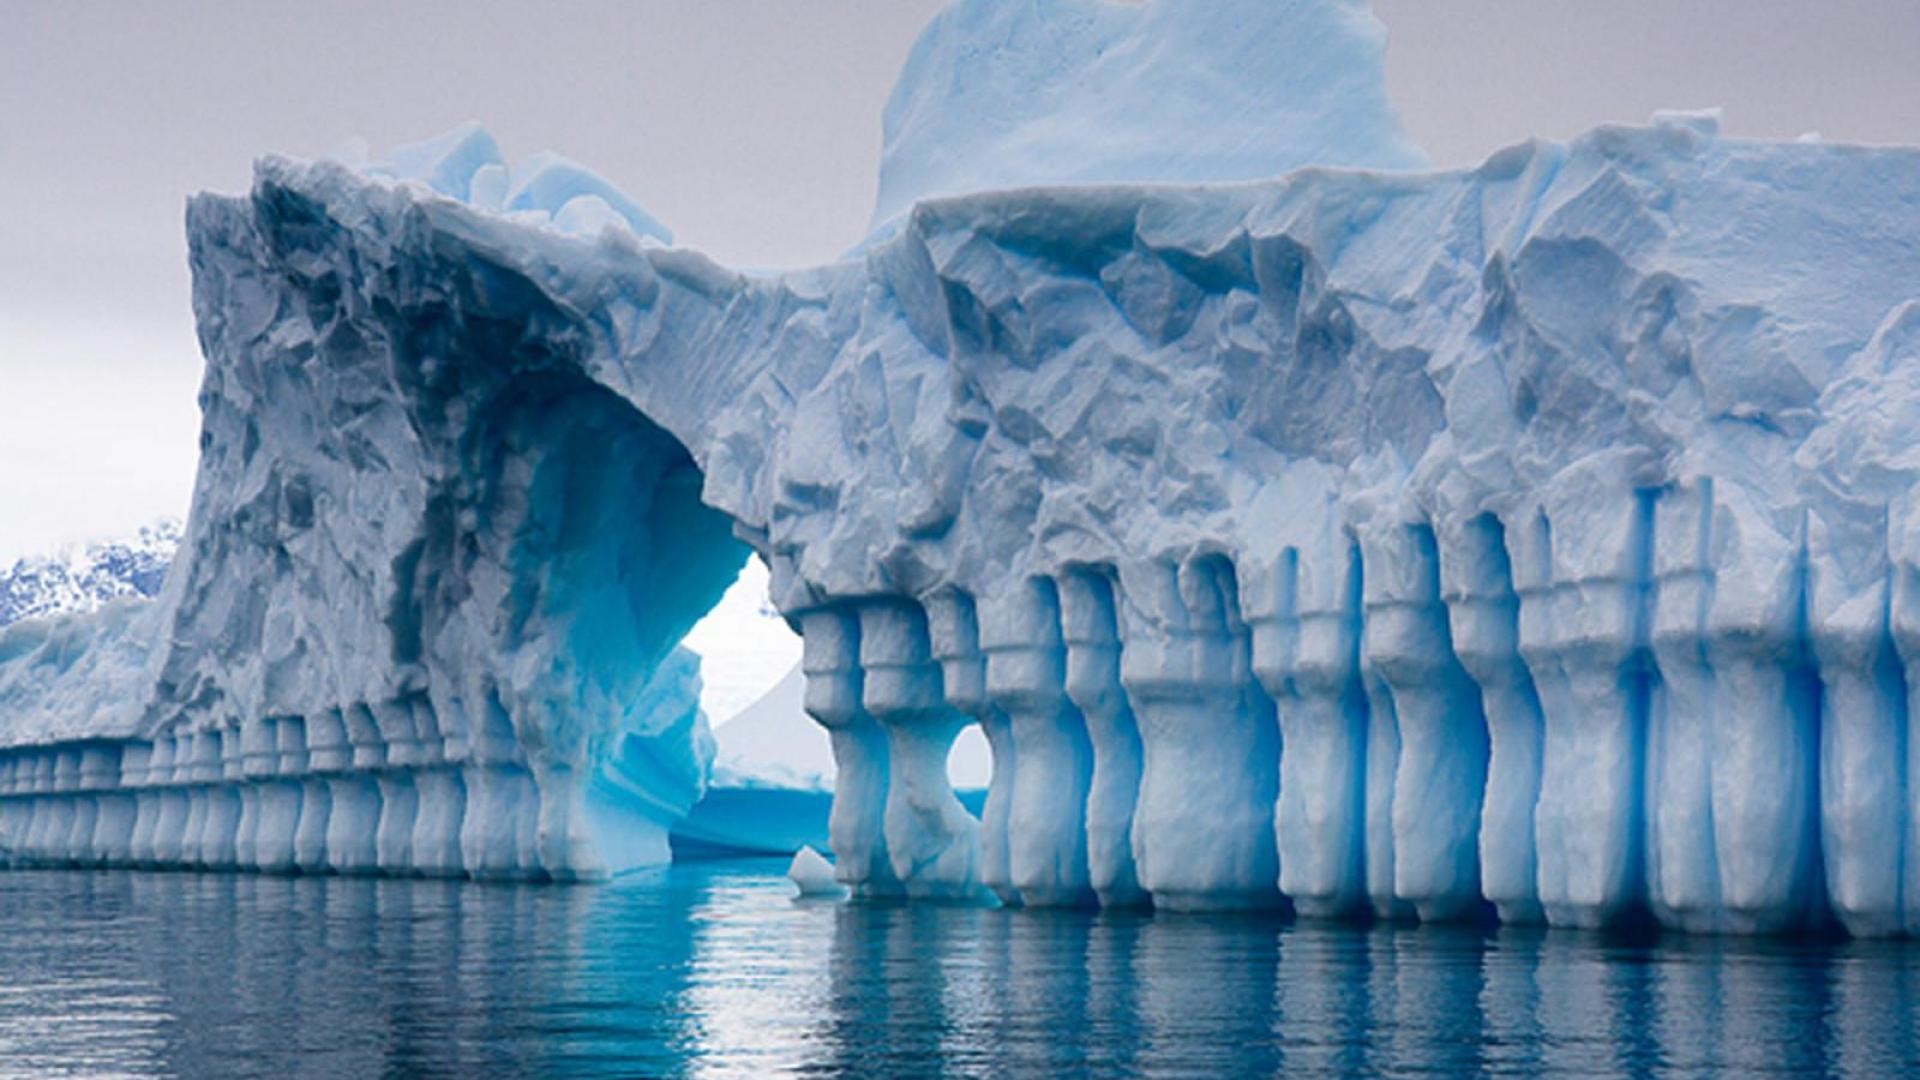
(1538,534)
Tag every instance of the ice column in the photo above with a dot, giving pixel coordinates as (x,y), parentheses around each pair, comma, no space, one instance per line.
(1732,751)
(1439,765)
(219,756)
(75,846)
(1026,679)
(172,764)
(566,853)
(48,812)
(856,826)
(500,818)
(931,840)
(196,761)
(1683,882)
(1203,829)
(1091,631)
(1864,723)
(12,813)
(76,810)
(13,809)
(1476,579)
(257,760)
(37,777)
(61,812)
(327,755)
(1581,571)
(119,807)
(223,799)
(353,821)
(399,800)
(146,771)
(284,761)
(18,809)
(21,809)
(46,809)
(1306,650)
(98,827)
(1765,754)
(442,797)
(953,628)
(1903,751)
(37,815)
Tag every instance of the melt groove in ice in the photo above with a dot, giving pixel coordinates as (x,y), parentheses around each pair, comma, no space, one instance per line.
(1538,537)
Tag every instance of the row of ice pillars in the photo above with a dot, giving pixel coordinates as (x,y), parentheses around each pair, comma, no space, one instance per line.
(384,788)
(1568,722)
(1640,701)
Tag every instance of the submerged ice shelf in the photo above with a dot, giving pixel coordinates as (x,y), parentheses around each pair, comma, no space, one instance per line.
(1538,537)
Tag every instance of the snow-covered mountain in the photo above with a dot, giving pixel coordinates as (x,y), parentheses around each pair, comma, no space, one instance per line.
(84,577)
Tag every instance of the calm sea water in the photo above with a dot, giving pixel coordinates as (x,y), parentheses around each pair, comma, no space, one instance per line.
(709,969)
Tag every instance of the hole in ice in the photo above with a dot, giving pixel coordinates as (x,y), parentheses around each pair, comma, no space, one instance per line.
(970,763)
(745,647)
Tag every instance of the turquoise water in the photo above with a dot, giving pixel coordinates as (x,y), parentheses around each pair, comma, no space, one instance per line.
(709,969)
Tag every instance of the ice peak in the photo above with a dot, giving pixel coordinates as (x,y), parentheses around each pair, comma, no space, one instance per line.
(1000,95)
(545,189)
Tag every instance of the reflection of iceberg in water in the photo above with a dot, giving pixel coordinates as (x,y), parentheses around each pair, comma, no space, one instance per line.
(707,969)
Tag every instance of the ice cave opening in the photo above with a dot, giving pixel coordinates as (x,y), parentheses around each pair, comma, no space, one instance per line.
(609,559)
(611,553)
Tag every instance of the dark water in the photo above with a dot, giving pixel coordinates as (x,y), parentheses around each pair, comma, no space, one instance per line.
(709,969)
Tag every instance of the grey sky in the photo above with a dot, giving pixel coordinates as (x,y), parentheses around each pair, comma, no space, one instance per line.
(751,127)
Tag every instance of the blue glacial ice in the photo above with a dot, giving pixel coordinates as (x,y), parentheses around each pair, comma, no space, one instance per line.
(1534,538)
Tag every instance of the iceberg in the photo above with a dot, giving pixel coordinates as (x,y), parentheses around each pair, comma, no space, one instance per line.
(1535,538)
(812,875)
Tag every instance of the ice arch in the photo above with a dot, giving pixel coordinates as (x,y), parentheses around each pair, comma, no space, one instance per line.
(430,594)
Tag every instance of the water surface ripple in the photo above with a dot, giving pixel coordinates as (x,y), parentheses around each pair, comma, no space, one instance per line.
(709,970)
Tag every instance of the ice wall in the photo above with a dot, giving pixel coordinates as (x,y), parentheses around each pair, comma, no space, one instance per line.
(1533,538)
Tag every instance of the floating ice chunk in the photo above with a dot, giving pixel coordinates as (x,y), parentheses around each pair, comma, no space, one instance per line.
(812,874)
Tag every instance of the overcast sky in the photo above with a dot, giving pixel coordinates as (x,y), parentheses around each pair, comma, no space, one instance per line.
(750,126)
